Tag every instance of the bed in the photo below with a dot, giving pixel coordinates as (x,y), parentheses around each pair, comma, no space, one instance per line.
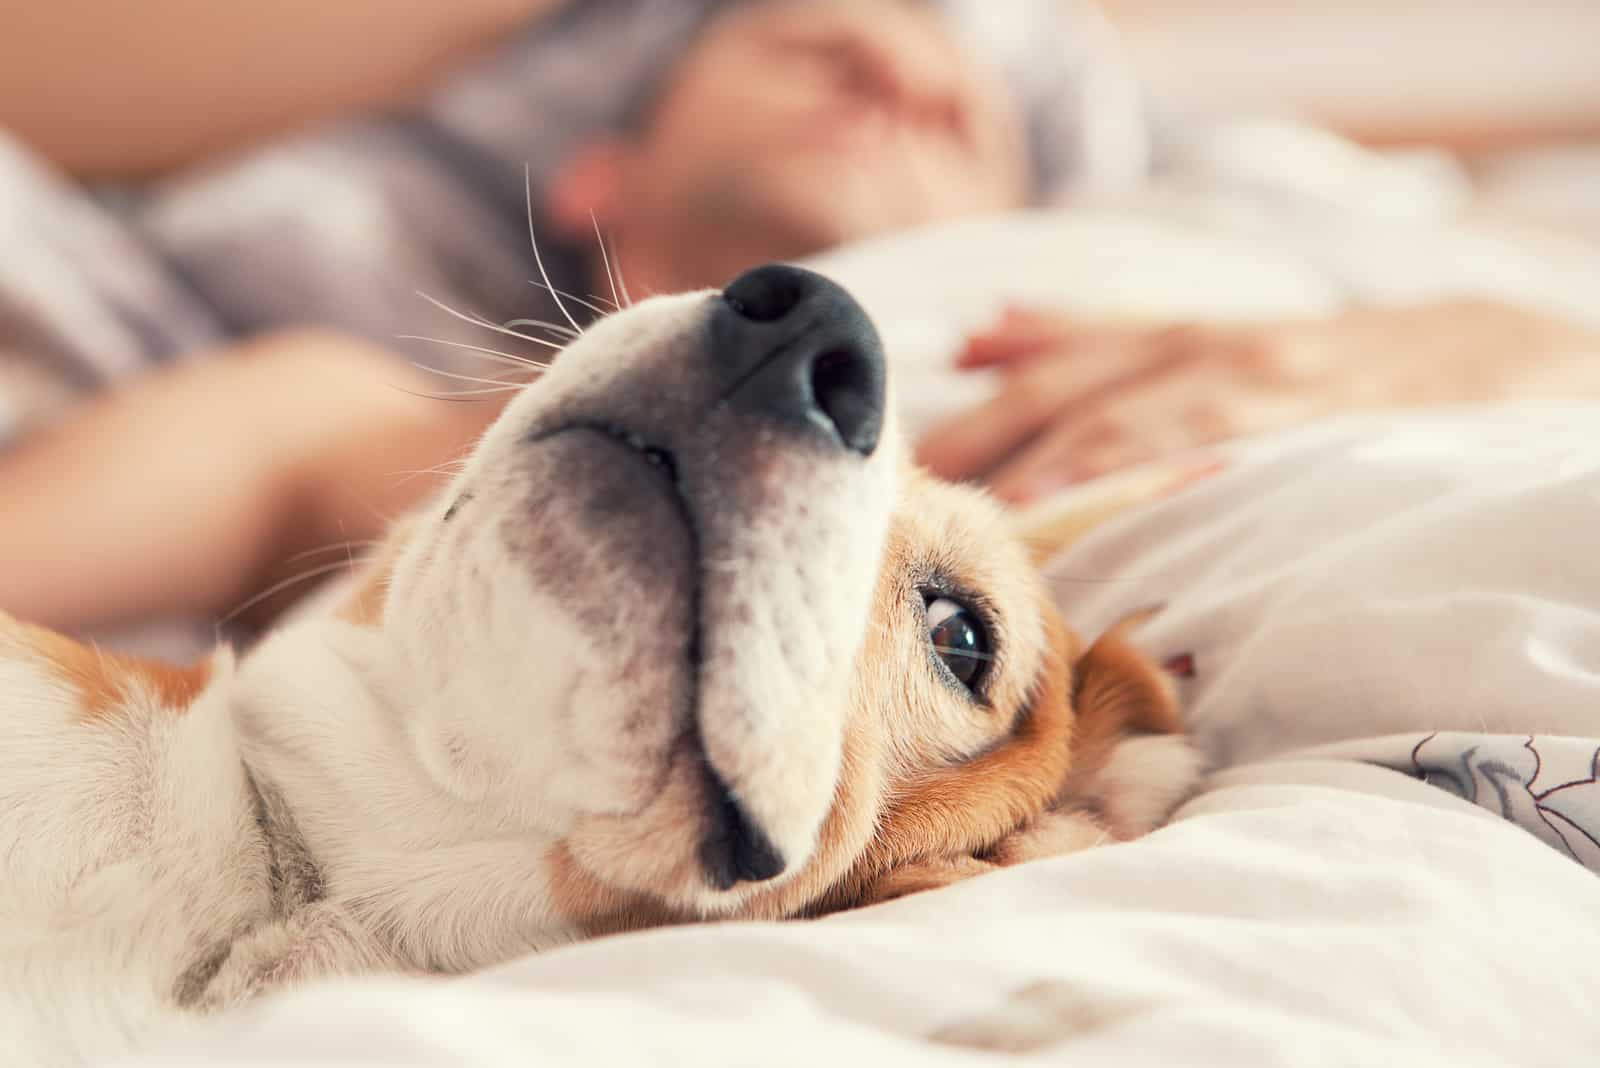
(1394,629)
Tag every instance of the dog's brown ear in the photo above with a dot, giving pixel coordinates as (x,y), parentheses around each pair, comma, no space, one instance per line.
(1118,692)
(1131,762)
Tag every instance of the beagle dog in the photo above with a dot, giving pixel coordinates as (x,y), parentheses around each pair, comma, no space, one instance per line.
(686,639)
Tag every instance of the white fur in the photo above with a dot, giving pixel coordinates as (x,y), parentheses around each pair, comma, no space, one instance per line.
(431,762)
(1144,779)
(529,694)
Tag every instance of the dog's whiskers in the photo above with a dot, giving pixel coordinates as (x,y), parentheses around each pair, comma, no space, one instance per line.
(336,546)
(621,279)
(559,293)
(469,378)
(527,188)
(544,324)
(467,396)
(486,324)
(278,587)
(449,467)
(605,259)
(502,357)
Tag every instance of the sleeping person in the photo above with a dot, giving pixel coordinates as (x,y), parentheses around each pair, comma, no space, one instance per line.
(654,147)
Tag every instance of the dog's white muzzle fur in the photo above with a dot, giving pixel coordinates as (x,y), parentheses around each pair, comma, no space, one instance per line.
(642,597)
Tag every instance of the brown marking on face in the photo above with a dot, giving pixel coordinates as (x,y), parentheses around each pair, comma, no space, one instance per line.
(104,682)
(930,826)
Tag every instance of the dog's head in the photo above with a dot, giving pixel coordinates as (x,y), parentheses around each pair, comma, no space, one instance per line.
(688,612)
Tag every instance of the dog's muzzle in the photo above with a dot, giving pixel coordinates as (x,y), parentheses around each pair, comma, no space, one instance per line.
(790,347)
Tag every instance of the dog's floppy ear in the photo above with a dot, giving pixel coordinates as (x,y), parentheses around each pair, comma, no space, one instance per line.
(1118,692)
(1131,762)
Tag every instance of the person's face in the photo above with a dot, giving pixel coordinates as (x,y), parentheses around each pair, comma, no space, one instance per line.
(799,124)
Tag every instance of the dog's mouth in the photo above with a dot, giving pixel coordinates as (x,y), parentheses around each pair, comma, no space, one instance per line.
(656,456)
(733,848)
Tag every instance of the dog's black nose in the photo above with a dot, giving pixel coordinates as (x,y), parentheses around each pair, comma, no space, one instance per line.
(792,346)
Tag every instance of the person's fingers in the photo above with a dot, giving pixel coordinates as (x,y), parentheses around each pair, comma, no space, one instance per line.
(1182,407)
(1061,457)
(1046,391)
(1024,334)
(970,442)
(1019,335)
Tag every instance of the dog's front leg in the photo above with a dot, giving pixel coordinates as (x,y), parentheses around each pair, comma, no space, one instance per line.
(1052,834)
(929,873)
(320,940)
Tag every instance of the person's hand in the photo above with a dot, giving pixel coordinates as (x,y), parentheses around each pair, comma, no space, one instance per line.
(1079,399)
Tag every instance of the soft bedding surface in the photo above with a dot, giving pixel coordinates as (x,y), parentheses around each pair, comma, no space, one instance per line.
(1394,632)
(1279,925)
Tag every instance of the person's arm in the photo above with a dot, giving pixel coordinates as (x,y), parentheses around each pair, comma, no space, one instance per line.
(113,90)
(1081,399)
(187,492)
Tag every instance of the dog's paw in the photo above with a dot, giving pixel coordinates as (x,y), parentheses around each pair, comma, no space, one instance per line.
(1143,780)
(1053,834)
(318,941)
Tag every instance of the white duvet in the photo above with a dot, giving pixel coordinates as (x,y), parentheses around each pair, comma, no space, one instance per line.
(1395,631)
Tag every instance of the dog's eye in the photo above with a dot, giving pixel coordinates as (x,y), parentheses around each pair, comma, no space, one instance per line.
(959,639)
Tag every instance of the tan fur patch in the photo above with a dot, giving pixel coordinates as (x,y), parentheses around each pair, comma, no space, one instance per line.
(600,909)
(103,681)
(969,806)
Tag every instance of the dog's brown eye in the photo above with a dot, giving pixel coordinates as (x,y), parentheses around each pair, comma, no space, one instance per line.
(958,639)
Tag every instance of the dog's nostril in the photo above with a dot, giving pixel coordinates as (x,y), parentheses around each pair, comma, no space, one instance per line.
(662,459)
(845,389)
(765,296)
(736,850)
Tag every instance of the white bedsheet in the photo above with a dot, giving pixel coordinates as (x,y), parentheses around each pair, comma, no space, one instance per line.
(1279,925)
(1345,591)
(1333,897)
